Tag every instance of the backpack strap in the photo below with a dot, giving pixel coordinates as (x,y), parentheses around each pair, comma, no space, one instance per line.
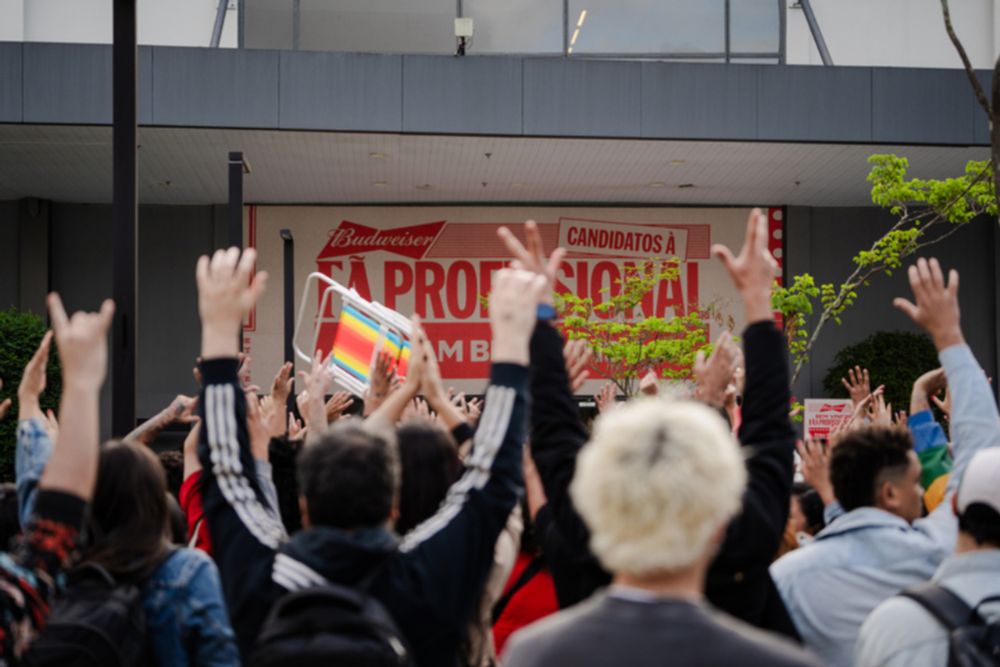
(949,609)
(533,568)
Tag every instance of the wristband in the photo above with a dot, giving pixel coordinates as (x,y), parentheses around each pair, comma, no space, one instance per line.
(546,312)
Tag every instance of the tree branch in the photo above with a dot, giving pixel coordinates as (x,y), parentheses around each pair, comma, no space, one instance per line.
(970,72)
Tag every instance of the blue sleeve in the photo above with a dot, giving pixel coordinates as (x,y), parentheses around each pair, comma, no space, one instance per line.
(832,512)
(214,641)
(34,447)
(926,432)
(975,423)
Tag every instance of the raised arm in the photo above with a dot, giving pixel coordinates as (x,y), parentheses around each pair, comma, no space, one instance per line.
(244,534)
(453,550)
(766,431)
(34,442)
(975,423)
(557,435)
(52,534)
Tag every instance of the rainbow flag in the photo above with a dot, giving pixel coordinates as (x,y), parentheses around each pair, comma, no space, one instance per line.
(357,342)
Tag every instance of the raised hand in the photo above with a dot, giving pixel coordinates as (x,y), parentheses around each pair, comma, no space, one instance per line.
(943,405)
(338,405)
(513,311)
(257,428)
(924,387)
(33,382)
(753,271)
(226,294)
(714,375)
(605,398)
(577,355)
(880,412)
(296,432)
(83,350)
(815,468)
(532,258)
(936,310)
(649,385)
(312,405)
(857,383)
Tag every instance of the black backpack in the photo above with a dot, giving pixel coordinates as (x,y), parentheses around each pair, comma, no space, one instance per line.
(330,625)
(972,642)
(97,622)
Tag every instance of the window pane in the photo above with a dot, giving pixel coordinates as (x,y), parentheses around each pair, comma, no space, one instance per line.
(648,26)
(378,26)
(515,26)
(754,26)
(267,24)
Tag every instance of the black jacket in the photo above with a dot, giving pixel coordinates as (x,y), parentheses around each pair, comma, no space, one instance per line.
(431,582)
(738,580)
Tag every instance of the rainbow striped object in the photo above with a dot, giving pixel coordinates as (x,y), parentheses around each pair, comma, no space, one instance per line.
(359,339)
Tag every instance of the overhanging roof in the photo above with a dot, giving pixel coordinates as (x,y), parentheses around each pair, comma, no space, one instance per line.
(188,166)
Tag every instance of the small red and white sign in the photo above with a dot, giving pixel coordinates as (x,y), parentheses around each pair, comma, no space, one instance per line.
(600,238)
(824,415)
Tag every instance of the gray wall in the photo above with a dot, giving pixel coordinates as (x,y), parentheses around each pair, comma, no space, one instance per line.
(495,95)
(79,267)
(822,241)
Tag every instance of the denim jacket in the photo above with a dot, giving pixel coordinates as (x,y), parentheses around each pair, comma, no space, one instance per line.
(868,555)
(186,617)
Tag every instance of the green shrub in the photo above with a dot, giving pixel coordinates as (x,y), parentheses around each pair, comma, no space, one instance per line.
(20,334)
(893,358)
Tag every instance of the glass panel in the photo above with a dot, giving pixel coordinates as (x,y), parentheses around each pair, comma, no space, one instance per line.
(754,26)
(378,26)
(267,24)
(648,26)
(515,26)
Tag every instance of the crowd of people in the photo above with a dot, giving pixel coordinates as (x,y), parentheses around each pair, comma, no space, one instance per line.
(420,528)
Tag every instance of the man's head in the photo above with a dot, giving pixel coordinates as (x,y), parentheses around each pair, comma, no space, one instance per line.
(875,466)
(977,502)
(656,485)
(349,479)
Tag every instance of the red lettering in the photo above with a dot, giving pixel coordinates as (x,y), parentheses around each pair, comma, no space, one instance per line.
(358,278)
(430,282)
(671,250)
(572,235)
(398,281)
(465,273)
(567,269)
(692,281)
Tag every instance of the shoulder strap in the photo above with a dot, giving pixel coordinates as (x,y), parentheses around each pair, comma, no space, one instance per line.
(533,568)
(193,542)
(949,609)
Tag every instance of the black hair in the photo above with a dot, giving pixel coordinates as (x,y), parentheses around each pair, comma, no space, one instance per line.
(982,523)
(861,461)
(178,521)
(173,466)
(429,463)
(349,478)
(811,505)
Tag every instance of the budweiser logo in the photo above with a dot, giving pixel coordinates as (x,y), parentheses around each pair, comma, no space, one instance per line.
(350,238)
(833,408)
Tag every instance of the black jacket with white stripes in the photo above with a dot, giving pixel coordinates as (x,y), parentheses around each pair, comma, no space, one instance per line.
(431,581)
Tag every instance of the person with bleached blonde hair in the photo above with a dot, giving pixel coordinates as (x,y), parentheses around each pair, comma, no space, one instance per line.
(657,484)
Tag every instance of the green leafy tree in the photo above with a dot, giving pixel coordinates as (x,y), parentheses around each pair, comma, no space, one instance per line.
(894,359)
(627,345)
(927,212)
(21,333)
